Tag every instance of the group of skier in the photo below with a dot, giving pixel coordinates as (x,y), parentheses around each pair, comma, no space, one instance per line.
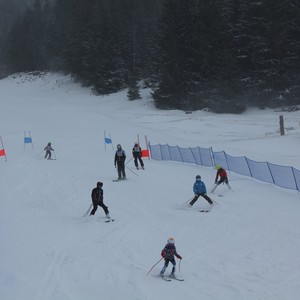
(119,162)
(169,251)
(120,157)
(199,187)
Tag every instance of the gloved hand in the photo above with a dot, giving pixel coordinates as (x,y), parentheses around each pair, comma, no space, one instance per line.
(179,257)
(163,254)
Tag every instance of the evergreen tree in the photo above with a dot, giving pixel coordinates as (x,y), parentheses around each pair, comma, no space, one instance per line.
(26,51)
(133,92)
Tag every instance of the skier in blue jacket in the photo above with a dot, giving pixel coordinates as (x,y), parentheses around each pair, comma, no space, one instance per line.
(199,189)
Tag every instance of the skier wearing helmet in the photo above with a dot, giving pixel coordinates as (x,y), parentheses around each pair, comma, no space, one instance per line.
(223,177)
(168,254)
(120,158)
(48,150)
(137,155)
(199,189)
(97,199)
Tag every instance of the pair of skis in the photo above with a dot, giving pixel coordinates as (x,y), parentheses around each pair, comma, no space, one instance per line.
(109,220)
(205,210)
(168,278)
(117,180)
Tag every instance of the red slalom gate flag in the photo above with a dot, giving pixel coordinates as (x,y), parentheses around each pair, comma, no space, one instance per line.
(2,152)
(145,153)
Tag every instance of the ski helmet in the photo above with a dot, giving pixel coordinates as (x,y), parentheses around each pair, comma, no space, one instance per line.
(171,240)
(198,177)
(119,146)
(217,167)
(99,184)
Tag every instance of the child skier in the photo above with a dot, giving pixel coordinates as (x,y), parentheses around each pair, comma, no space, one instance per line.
(223,178)
(137,155)
(48,150)
(199,189)
(168,254)
(97,199)
(120,158)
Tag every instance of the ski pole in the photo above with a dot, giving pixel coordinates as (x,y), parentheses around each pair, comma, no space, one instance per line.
(39,153)
(129,160)
(153,266)
(54,154)
(179,265)
(212,186)
(188,200)
(212,189)
(131,171)
(87,212)
(214,201)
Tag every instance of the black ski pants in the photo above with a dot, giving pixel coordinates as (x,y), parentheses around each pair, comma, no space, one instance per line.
(121,170)
(136,158)
(202,195)
(48,154)
(95,207)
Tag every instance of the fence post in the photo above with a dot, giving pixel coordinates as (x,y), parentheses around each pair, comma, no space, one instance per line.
(281,123)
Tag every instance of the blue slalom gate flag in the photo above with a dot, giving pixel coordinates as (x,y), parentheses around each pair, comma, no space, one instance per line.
(27,140)
(108,140)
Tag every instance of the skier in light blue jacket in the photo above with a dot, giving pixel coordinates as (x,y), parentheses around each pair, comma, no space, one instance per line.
(199,189)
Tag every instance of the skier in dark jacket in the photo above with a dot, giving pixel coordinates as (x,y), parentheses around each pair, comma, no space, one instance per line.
(97,199)
(223,178)
(168,254)
(199,189)
(137,155)
(48,150)
(120,158)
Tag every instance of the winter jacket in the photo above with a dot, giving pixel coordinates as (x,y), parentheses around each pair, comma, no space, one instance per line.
(97,195)
(137,151)
(169,251)
(199,187)
(120,156)
(48,148)
(222,173)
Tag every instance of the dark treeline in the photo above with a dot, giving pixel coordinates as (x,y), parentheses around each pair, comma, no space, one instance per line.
(219,54)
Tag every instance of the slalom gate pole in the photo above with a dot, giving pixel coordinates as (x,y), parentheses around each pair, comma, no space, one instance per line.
(31,139)
(153,266)
(87,212)
(131,171)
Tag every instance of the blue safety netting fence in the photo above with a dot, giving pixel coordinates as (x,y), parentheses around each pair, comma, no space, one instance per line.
(283,176)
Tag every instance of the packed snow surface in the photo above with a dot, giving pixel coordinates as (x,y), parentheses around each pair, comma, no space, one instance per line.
(246,248)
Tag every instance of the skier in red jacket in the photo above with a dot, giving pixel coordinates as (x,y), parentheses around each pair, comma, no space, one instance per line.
(221,177)
(168,254)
